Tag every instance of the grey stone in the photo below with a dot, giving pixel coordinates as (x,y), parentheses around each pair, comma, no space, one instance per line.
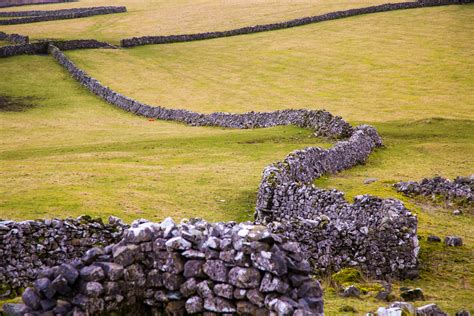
(453,241)
(245,278)
(216,270)
(194,305)
(31,298)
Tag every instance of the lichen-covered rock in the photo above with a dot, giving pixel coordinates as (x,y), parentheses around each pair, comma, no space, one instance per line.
(138,274)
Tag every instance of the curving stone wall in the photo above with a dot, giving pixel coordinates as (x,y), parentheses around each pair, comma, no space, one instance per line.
(458,191)
(195,267)
(376,235)
(148,40)
(15,3)
(286,193)
(29,246)
(62,14)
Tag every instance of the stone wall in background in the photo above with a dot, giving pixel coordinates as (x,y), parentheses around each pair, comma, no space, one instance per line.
(63,15)
(41,47)
(458,191)
(194,267)
(29,246)
(14,3)
(147,40)
(14,38)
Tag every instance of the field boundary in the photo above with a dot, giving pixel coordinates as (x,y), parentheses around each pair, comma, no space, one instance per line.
(151,40)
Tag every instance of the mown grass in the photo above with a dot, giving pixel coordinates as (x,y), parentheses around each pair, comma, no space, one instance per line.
(409,73)
(175,17)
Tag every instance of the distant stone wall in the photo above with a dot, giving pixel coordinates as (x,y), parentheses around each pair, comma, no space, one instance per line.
(458,191)
(48,12)
(148,40)
(15,3)
(29,246)
(14,38)
(64,15)
(41,47)
(195,267)
(321,122)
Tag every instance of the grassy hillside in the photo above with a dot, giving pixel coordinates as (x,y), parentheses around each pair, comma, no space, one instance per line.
(73,154)
(175,17)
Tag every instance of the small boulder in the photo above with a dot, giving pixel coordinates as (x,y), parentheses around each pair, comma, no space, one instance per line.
(412,295)
(453,241)
(351,291)
(433,238)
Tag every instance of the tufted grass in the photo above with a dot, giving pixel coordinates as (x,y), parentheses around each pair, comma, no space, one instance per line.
(175,17)
(409,73)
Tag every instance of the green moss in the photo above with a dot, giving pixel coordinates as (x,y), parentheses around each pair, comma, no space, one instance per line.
(347,309)
(347,275)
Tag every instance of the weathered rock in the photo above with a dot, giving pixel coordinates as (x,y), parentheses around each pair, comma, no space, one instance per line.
(453,241)
(245,278)
(411,295)
(194,305)
(351,291)
(433,238)
(430,309)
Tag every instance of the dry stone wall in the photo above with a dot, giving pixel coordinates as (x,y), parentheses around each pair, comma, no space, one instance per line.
(15,3)
(382,232)
(376,235)
(62,15)
(14,38)
(147,40)
(29,246)
(41,47)
(458,191)
(195,267)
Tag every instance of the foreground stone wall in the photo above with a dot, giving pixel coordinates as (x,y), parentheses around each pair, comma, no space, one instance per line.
(63,15)
(376,235)
(195,267)
(29,246)
(14,3)
(147,40)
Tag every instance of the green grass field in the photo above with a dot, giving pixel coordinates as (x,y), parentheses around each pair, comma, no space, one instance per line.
(409,73)
(161,17)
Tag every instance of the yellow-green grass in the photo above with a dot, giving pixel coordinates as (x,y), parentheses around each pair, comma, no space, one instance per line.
(74,154)
(410,64)
(409,73)
(175,17)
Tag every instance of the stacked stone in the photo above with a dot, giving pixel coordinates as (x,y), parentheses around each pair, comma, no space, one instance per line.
(59,15)
(47,12)
(194,267)
(286,194)
(459,191)
(41,47)
(27,247)
(322,123)
(376,235)
(14,38)
(14,3)
(148,40)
